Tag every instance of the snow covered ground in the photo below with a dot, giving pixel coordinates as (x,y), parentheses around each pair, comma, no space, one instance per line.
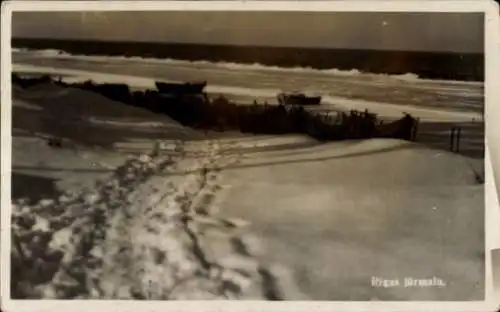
(339,214)
(108,215)
(236,216)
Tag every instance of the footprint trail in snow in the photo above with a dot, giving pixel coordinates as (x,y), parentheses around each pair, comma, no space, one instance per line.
(149,232)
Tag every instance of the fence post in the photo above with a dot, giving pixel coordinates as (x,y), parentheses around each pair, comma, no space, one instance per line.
(459,131)
(455,139)
(452,137)
(415,129)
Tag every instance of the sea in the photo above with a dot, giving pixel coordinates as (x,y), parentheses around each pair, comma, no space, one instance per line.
(449,81)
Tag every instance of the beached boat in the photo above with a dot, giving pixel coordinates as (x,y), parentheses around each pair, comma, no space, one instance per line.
(180,88)
(298,99)
(404,128)
(27,82)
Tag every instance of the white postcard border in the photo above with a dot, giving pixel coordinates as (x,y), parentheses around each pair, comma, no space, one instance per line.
(492,158)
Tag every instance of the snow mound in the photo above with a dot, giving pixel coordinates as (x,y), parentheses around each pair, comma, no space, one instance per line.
(97,135)
(339,213)
(360,162)
(69,168)
(89,118)
(77,102)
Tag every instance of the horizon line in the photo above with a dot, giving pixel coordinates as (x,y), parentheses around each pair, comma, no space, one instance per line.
(239,45)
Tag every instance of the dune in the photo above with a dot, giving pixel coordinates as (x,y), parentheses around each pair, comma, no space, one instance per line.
(98,134)
(337,214)
(77,102)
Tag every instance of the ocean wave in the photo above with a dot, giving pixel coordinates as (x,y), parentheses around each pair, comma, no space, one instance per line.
(51,53)
(258,67)
(132,124)
(407,77)
(20,50)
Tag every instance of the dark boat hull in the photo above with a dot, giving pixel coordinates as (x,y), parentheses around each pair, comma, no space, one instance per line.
(404,128)
(298,99)
(180,88)
(29,82)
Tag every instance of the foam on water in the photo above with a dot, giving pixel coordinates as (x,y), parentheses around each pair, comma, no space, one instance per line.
(408,77)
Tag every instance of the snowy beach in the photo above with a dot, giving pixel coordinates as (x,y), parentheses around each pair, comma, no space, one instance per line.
(136,206)
(263,81)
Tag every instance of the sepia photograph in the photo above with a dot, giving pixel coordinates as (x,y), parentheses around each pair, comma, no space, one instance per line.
(247,155)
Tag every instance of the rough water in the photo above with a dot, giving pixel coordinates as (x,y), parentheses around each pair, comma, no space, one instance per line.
(395,89)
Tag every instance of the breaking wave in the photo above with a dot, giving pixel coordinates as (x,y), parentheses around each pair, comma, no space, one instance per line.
(409,77)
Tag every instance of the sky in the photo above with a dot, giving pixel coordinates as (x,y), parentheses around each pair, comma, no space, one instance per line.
(455,32)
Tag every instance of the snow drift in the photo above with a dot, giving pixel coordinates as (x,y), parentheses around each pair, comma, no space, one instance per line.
(338,214)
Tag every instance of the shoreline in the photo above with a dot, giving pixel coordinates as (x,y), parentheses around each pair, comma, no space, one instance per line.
(140,82)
